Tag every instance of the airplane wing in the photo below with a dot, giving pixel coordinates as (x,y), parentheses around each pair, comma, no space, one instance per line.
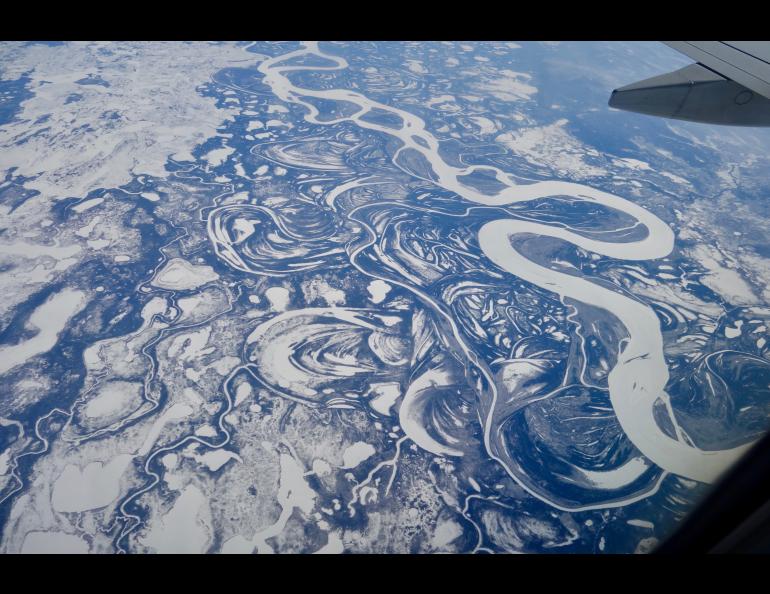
(729,84)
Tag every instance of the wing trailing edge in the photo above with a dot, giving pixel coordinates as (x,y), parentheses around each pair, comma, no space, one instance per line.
(702,93)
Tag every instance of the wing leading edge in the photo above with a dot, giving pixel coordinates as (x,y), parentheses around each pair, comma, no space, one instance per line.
(730,85)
